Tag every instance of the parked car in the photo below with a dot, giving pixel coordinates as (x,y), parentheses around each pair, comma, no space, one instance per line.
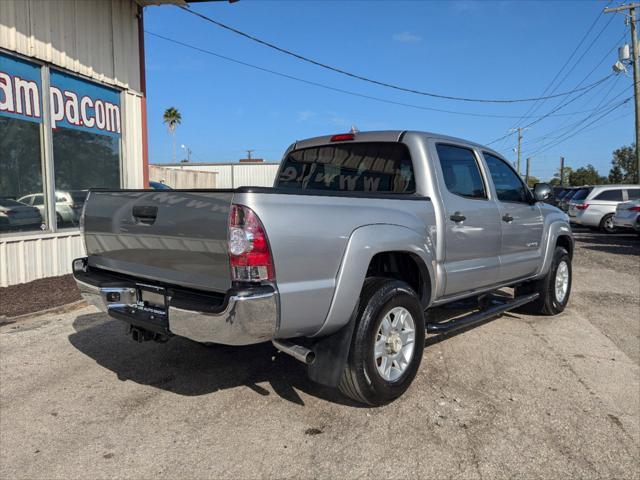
(563,204)
(64,211)
(158,186)
(558,193)
(628,215)
(18,216)
(596,207)
(75,199)
(337,263)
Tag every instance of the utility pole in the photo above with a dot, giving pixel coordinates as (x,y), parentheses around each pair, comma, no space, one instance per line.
(519,130)
(562,171)
(636,72)
(526,178)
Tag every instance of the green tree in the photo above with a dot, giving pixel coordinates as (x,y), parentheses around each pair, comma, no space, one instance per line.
(624,168)
(555,181)
(587,175)
(172,118)
(532,181)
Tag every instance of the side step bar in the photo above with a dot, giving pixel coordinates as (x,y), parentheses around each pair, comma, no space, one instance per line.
(485,314)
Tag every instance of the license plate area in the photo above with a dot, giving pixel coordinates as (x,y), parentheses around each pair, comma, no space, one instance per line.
(152,299)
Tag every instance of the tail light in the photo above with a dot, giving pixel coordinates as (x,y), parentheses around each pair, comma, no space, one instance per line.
(249,253)
(635,208)
(582,206)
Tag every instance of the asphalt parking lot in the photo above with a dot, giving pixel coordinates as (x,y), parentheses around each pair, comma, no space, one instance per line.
(521,396)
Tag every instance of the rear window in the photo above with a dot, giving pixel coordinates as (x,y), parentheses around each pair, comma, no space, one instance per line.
(581,194)
(569,195)
(611,195)
(383,167)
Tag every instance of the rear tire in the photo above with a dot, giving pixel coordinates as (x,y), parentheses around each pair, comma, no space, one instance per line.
(606,224)
(387,343)
(554,288)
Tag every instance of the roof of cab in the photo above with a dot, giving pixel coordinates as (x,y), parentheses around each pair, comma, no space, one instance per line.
(386,136)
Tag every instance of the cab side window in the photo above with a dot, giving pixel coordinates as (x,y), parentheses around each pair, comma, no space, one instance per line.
(509,186)
(611,195)
(461,172)
(634,193)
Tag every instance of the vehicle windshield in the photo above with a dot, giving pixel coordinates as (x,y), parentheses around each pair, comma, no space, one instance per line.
(380,167)
(581,194)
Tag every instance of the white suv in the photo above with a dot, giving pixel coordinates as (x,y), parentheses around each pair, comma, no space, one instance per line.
(595,206)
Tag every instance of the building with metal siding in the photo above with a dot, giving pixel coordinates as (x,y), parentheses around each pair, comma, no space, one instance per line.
(95,46)
(233,175)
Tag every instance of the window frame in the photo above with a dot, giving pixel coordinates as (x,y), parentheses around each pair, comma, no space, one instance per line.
(606,190)
(528,193)
(627,190)
(376,194)
(46,144)
(483,179)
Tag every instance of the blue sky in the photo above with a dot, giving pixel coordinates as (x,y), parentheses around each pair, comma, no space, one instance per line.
(496,49)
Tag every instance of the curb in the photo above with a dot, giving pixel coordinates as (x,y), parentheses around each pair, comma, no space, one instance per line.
(69,307)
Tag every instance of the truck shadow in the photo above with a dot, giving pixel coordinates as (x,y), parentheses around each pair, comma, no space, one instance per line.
(192,369)
(189,368)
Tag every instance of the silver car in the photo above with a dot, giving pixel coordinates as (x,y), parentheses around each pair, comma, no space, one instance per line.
(628,215)
(65,215)
(595,207)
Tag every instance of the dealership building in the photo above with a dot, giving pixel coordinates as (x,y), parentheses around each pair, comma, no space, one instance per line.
(72,117)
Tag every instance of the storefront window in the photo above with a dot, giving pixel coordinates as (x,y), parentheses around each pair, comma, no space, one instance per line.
(85,135)
(85,119)
(20,147)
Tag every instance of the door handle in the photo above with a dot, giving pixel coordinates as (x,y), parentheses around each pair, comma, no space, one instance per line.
(458,217)
(507,218)
(145,214)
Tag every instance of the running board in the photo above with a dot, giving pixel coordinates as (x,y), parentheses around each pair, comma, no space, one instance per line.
(485,314)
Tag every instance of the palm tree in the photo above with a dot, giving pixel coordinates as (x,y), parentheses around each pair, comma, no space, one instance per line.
(172,118)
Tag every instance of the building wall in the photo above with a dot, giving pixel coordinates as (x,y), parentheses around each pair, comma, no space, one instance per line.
(233,175)
(24,259)
(182,178)
(95,40)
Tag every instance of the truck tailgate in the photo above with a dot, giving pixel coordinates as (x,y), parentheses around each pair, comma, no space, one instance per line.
(173,236)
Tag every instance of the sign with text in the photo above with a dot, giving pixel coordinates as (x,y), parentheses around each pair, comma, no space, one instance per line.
(20,87)
(83,105)
(74,103)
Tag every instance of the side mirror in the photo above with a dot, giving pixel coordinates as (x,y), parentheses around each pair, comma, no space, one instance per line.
(541,192)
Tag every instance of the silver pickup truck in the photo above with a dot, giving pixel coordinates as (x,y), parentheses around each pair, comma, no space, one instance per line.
(339,262)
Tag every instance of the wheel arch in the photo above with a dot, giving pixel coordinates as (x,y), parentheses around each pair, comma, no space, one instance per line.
(558,233)
(370,247)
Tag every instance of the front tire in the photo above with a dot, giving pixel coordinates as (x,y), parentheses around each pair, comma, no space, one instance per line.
(554,288)
(387,344)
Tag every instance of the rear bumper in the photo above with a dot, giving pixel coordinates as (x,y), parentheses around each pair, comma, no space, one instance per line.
(243,317)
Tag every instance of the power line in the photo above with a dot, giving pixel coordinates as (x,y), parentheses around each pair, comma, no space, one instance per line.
(340,90)
(367,79)
(575,50)
(559,107)
(546,147)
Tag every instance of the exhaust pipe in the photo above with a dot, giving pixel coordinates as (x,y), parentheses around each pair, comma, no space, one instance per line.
(300,353)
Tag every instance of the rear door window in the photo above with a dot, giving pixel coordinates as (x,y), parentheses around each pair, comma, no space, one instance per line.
(634,193)
(610,195)
(581,194)
(460,170)
(383,167)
